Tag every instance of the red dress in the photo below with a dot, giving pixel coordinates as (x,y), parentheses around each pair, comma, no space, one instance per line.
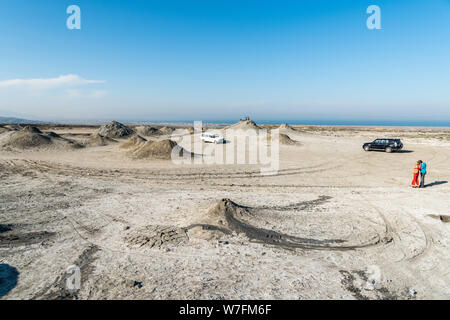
(415,181)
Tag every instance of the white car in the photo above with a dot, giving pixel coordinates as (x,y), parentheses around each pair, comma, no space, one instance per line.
(212,137)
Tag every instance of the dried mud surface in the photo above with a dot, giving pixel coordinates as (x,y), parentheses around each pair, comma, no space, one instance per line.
(334,222)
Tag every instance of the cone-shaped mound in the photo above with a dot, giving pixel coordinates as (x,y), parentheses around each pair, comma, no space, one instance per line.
(244,124)
(219,221)
(134,142)
(221,213)
(167,130)
(32,137)
(159,150)
(96,140)
(285,126)
(148,131)
(32,129)
(25,139)
(288,129)
(227,218)
(284,139)
(115,129)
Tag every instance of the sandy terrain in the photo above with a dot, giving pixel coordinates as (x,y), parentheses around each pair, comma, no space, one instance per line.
(334,223)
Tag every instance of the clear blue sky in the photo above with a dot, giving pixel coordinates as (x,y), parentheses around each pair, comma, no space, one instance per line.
(221,60)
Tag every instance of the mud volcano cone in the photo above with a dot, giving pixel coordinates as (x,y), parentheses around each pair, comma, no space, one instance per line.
(149,131)
(167,130)
(159,150)
(115,129)
(286,140)
(244,125)
(283,139)
(285,126)
(99,140)
(134,142)
(31,137)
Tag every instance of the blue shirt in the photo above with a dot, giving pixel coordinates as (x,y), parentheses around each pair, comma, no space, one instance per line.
(423,168)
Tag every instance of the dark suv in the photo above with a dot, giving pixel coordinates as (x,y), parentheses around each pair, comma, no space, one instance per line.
(387,145)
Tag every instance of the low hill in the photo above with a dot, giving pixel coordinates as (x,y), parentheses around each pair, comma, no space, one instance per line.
(32,138)
(159,150)
(115,130)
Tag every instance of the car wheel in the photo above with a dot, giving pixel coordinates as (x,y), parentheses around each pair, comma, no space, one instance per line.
(366,148)
(388,149)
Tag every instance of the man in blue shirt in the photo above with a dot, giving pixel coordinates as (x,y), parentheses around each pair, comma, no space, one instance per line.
(423,172)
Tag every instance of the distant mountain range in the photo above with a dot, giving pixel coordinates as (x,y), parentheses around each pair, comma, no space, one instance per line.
(12,120)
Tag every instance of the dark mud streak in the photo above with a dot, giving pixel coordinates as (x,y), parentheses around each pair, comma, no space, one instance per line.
(57,290)
(276,238)
(209,227)
(443,218)
(5,227)
(271,237)
(349,282)
(304,205)
(260,235)
(19,239)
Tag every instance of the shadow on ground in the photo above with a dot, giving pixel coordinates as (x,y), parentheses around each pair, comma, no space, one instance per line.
(404,151)
(436,183)
(9,277)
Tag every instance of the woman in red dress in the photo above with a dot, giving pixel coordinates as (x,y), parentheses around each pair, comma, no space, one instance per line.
(416,172)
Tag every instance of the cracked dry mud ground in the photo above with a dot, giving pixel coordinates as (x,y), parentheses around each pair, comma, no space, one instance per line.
(153,230)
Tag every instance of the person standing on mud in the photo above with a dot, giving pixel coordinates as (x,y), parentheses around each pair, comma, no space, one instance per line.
(423,172)
(416,171)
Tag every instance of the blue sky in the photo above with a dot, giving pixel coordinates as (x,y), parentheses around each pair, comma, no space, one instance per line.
(221,60)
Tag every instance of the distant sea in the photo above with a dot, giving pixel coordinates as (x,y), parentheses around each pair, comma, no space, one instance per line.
(378,123)
(381,123)
(320,122)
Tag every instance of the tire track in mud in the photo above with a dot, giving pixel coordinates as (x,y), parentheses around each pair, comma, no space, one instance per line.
(304,205)
(138,174)
(395,237)
(130,176)
(389,230)
(235,225)
(428,239)
(258,234)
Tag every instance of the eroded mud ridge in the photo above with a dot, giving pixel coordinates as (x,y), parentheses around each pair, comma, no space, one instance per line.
(227,215)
